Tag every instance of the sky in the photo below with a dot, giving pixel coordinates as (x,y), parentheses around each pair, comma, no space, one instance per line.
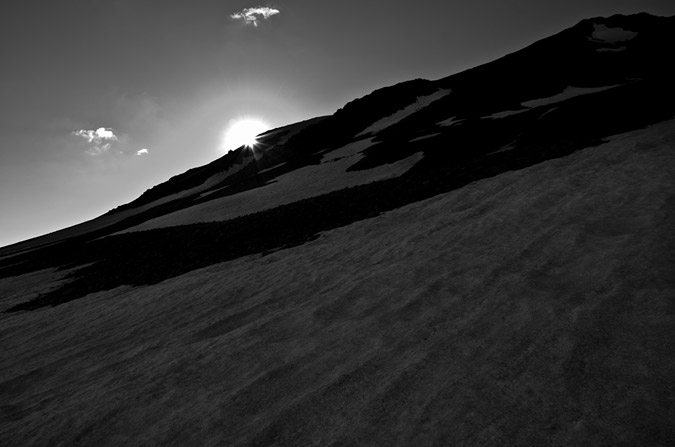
(103,99)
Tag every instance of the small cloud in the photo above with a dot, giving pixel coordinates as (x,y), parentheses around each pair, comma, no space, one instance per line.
(100,140)
(142,152)
(97,135)
(250,16)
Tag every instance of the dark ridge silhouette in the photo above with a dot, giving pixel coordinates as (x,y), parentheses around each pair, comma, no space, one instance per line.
(196,176)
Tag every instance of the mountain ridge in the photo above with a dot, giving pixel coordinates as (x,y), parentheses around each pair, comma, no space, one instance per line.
(339,129)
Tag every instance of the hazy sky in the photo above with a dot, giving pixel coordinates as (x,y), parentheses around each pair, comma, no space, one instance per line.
(102,99)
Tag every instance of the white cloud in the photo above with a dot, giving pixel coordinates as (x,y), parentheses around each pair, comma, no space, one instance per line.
(250,16)
(100,140)
(97,135)
(142,152)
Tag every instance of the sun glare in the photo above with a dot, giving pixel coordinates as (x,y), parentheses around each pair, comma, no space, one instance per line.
(243,132)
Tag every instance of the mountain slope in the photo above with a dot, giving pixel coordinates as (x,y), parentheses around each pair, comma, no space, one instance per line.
(529,308)
(485,259)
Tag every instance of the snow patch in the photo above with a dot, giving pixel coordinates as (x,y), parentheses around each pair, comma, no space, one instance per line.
(568,93)
(424,137)
(547,112)
(604,34)
(272,167)
(506,148)
(613,50)
(422,102)
(208,193)
(349,150)
(450,121)
(209,183)
(505,113)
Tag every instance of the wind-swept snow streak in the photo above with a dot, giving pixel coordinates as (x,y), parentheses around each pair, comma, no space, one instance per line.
(390,120)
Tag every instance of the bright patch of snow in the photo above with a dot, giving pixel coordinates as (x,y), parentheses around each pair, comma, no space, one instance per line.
(209,183)
(604,34)
(424,137)
(568,93)
(208,193)
(422,102)
(505,148)
(614,50)
(450,121)
(272,167)
(547,112)
(505,113)
(217,178)
(349,150)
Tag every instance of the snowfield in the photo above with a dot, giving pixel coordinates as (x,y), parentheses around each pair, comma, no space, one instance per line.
(449,122)
(604,34)
(569,93)
(528,309)
(418,105)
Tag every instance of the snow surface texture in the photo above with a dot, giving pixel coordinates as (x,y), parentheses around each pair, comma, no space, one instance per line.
(611,50)
(603,34)
(422,102)
(530,308)
(610,36)
(303,183)
(569,93)
(424,137)
(449,122)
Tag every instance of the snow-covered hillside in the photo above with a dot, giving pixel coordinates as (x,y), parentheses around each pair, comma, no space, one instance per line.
(528,308)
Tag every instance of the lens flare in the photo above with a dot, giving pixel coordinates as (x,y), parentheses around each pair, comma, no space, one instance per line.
(243,132)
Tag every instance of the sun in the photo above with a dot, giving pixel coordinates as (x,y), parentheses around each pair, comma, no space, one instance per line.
(243,132)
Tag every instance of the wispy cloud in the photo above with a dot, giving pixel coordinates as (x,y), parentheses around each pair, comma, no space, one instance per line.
(100,140)
(250,16)
(142,152)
